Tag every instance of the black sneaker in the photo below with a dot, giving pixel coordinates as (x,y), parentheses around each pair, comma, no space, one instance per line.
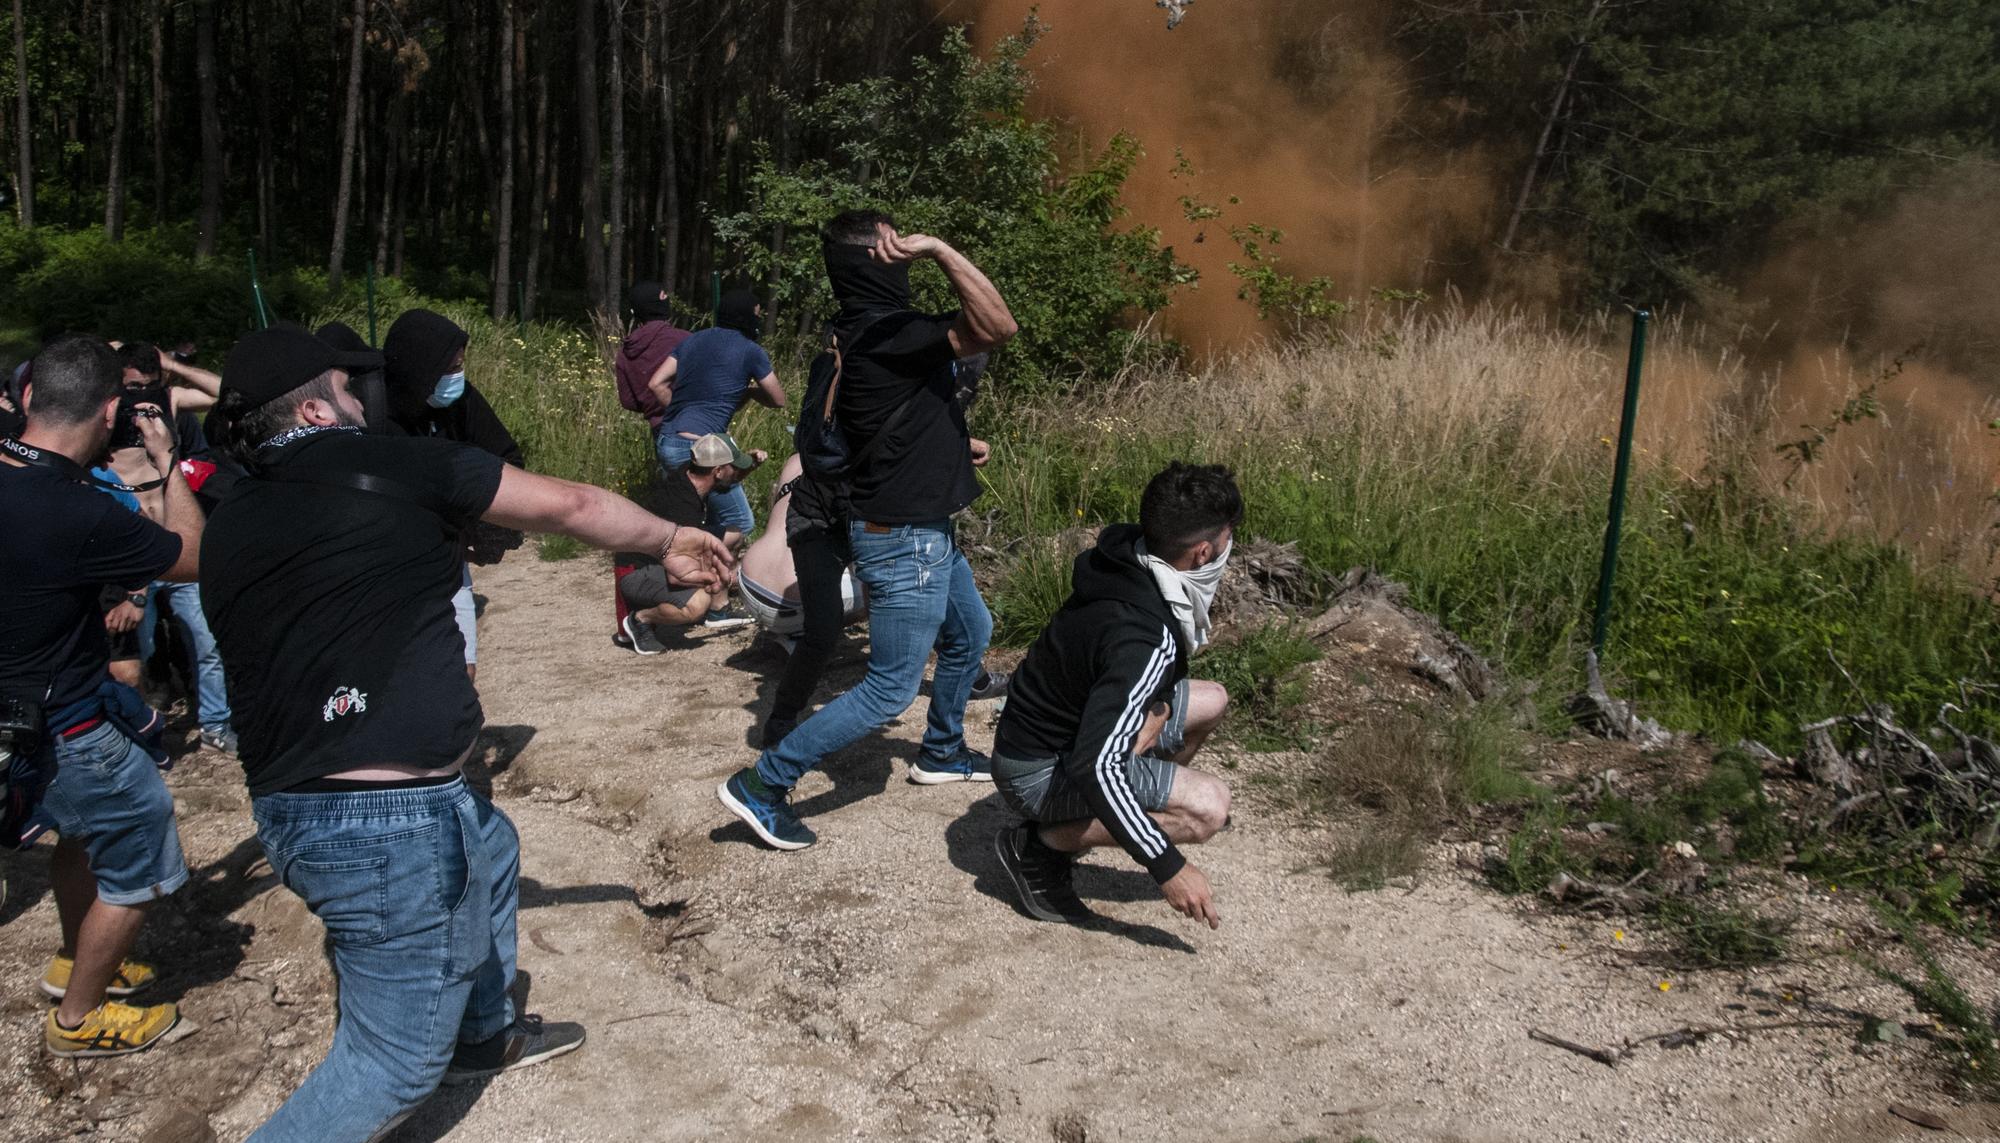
(529,1041)
(990,685)
(1041,876)
(645,640)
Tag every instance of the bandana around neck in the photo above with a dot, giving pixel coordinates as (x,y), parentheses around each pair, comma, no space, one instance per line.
(1188,593)
(300,432)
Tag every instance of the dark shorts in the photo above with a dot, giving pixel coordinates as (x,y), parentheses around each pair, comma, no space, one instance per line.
(1040,789)
(648,587)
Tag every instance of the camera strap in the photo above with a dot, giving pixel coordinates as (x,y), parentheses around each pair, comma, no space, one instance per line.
(65,467)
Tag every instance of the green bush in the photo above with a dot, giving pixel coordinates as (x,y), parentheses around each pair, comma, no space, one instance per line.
(1265,673)
(952,151)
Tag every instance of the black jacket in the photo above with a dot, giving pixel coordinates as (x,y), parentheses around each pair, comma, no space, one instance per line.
(1081,694)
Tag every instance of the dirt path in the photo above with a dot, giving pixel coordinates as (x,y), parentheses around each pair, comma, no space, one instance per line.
(880,985)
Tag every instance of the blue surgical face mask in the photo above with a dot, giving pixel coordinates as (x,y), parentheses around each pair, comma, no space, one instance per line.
(450,387)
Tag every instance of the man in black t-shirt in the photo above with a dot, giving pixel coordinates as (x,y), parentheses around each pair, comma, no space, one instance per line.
(332,567)
(646,598)
(898,400)
(61,542)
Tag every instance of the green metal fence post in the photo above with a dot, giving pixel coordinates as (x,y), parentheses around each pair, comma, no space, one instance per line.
(714,292)
(1608,570)
(371,301)
(257,292)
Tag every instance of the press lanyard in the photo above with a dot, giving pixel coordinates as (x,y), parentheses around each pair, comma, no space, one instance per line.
(65,467)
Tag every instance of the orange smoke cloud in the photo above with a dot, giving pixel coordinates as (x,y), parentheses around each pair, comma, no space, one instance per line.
(1282,103)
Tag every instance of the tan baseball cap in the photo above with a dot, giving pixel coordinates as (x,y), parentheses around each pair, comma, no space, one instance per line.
(717,449)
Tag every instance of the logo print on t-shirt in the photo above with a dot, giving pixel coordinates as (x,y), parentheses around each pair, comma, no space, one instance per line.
(345,700)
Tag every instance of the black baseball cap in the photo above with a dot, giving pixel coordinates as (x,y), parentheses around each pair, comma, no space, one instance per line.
(270,363)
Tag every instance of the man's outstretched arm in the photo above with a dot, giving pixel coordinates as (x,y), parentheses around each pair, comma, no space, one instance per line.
(1108,734)
(534,503)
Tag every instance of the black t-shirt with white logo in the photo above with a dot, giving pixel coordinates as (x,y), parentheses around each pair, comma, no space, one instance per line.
(61,543)
(332,607)
(923,469)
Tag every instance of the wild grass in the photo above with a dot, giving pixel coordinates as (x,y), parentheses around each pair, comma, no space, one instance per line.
(1466,453)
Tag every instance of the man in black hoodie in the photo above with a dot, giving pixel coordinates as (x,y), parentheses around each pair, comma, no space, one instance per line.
(1101,719)
(898,404)
(423,361)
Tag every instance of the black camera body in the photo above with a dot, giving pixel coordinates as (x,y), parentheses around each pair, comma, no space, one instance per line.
(125,430)
(23,726)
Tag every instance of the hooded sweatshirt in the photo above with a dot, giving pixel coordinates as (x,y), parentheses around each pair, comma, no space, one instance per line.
(1113,650)
(414,356)
(640,354)
(897,373)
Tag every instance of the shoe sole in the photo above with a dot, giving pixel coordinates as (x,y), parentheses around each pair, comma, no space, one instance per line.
(636,647)
(756,827)
(526,1061)
(1023,895)
(54,993)
(923,777)
(94,1053)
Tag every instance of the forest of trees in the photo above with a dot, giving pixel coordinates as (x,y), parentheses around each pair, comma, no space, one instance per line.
(538,154)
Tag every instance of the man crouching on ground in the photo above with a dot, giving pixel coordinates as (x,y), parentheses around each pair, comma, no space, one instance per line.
(330,593)
(1102,720)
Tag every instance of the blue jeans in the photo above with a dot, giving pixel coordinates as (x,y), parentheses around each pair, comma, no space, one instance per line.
(728,508)
(417,889)
(920,597)
(182,601)
(108,795)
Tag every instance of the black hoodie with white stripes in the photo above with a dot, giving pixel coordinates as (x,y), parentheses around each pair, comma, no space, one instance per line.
(1081,694)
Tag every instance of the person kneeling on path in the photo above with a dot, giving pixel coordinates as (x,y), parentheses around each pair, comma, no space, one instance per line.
(681,495)
(330,574)
(1102,720)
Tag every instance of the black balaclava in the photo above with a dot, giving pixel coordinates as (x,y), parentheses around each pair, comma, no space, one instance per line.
(738,311)
(863,286)
(414,355)
(371,388)
(646,303)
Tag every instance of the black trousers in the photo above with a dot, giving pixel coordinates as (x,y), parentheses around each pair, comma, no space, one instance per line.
(819,563)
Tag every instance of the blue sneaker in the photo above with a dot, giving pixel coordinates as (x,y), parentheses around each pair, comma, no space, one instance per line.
(767,815)
(965,765)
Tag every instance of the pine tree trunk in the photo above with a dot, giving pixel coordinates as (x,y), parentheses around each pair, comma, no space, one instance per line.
(670,191)
(589,150)
(114,178)
(210,219)
(392,182)
(266,177)
(538,190)
(343,192)
(614,265)
(158,111)
(24,174)
(503,225)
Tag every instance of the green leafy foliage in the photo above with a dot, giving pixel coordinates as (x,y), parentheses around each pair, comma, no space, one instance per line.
(1264,672)
(952,151)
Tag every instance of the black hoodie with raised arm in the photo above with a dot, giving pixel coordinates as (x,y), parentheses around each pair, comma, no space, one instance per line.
(1113,650)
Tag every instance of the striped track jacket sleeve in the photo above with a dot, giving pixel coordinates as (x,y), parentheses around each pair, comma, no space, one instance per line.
(1134,667)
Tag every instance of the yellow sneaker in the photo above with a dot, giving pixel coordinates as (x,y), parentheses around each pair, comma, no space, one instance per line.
(130,978)
(111,1029)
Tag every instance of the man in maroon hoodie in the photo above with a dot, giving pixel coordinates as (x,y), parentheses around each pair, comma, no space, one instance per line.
(652,337)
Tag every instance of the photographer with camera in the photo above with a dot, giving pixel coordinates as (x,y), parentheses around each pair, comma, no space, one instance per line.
(60,541)
(131,621)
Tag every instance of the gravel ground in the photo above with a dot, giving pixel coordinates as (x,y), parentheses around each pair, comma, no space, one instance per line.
(881,985)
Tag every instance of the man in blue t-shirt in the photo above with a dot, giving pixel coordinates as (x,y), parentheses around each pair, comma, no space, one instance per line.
(703,382)
(61,542)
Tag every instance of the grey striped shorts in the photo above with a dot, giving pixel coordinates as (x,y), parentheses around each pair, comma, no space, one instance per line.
(1041,790)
